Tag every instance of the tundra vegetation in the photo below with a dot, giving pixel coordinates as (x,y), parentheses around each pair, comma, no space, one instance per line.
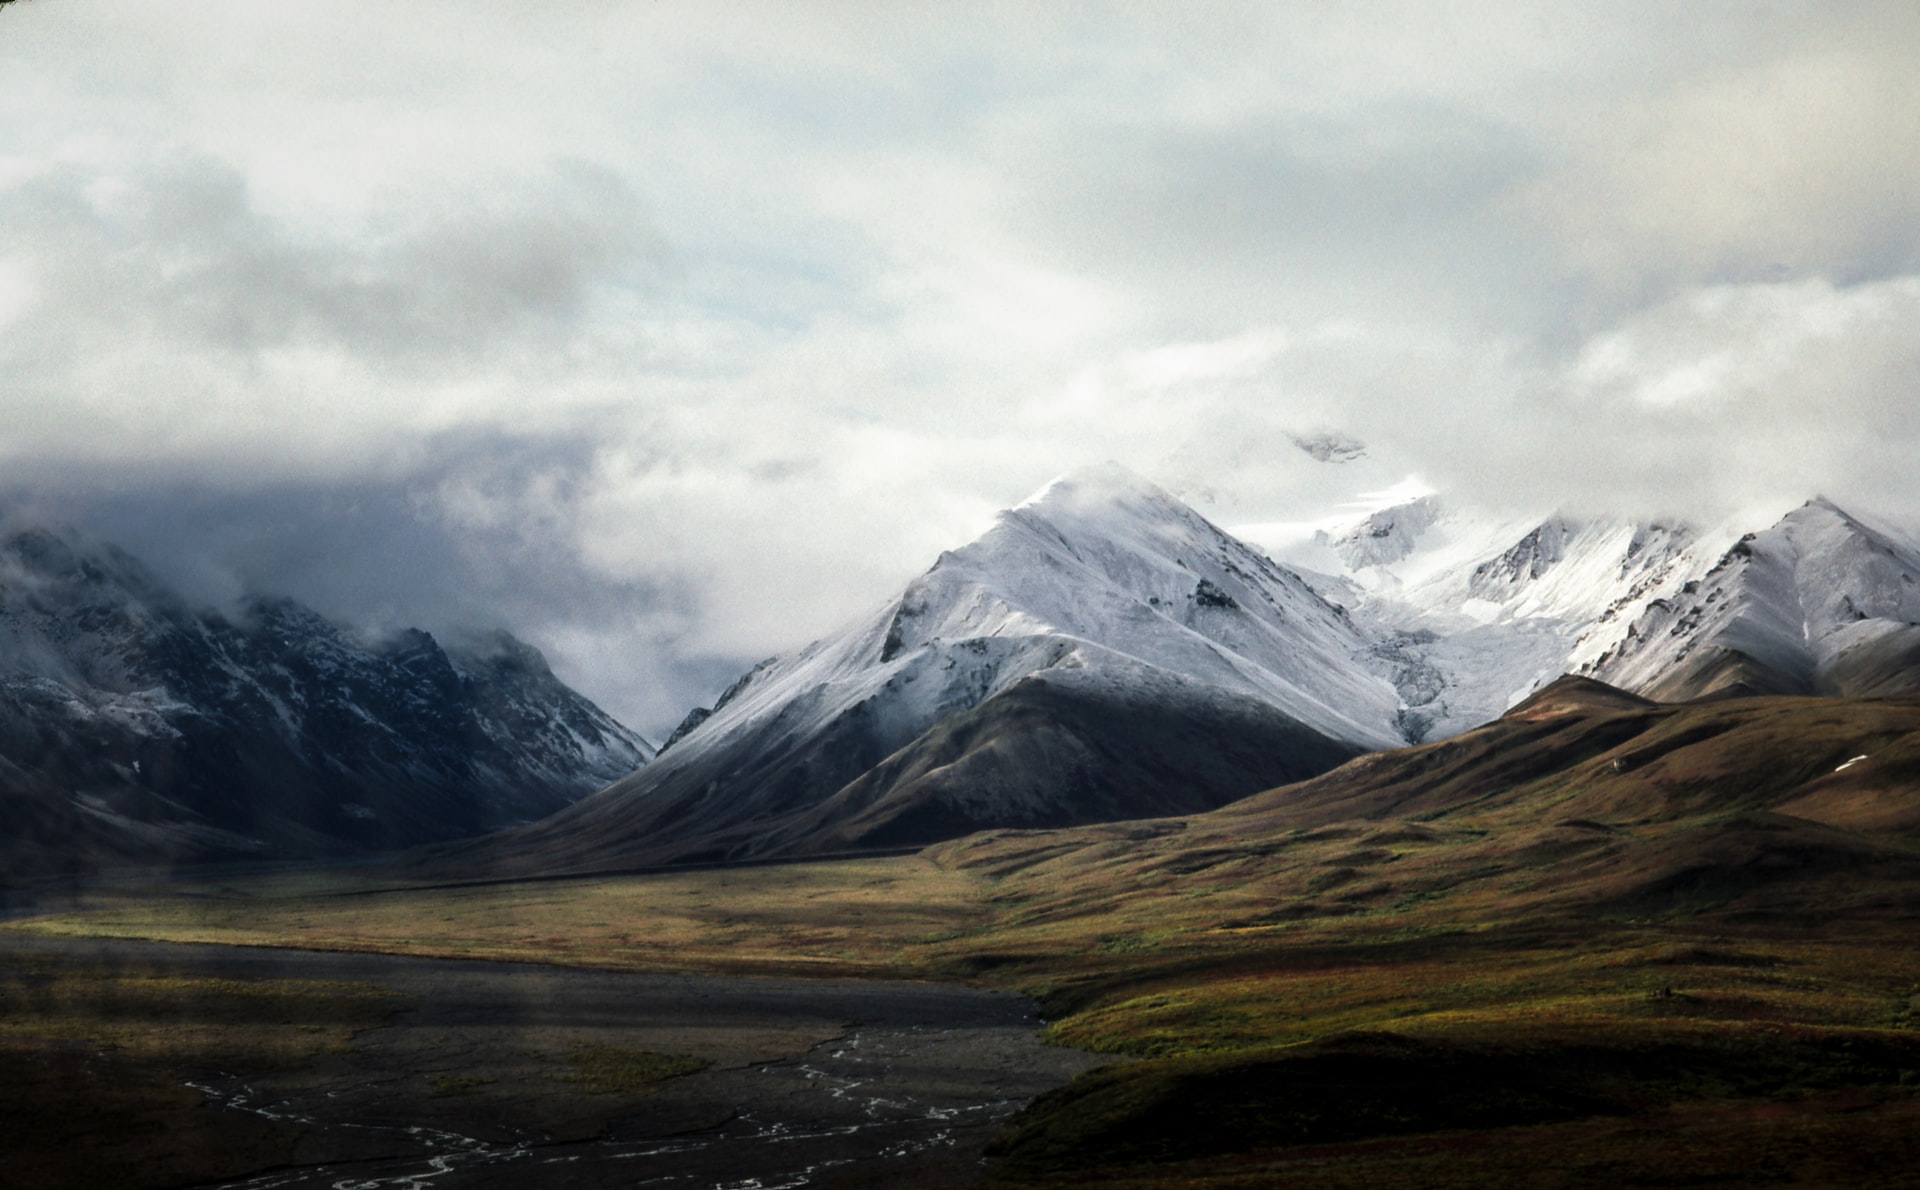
(1598,942)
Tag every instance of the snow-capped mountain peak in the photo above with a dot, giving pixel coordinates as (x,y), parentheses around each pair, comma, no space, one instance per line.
(1819,601)
(1469,612)
(1110,562)
(1101,600)
(1383,537)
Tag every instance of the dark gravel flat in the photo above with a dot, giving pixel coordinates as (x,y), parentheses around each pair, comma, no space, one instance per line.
(809,1082)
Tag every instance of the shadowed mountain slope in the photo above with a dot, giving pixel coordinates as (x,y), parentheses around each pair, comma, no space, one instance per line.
(1046,753)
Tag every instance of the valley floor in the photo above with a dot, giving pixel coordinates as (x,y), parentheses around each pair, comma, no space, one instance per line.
(317,1068)
(1357,1050)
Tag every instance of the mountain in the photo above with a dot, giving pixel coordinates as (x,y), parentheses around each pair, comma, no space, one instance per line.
(1385,536)
(1468,615)
(1105,652)
(136,728)
(1820,603)
(1102,651)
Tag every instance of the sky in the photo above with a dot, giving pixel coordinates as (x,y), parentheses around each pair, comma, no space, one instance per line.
(672,335)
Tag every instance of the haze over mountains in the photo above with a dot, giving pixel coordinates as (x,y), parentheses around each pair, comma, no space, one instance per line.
(135,728)
(1105,652)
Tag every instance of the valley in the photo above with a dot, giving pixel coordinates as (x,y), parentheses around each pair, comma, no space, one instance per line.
(1356,873)
(824,597)
(403,1072)
(1626,942)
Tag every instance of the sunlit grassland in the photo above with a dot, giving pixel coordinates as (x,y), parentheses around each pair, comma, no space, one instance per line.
(1133,948)
(854,918)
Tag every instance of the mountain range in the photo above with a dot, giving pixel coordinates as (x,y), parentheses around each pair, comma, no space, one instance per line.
(1469,615)
(1102,652)
(1105,652)
(136,728)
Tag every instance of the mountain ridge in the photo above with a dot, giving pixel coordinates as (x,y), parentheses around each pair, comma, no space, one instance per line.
(1104,584)
(137,728)
(1470,617)
(1102,630)
(1818,603)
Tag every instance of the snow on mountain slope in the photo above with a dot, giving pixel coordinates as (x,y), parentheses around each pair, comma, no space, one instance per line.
(1383,537)
(1101,587)
(1469,613)
(1821,602)
(133,726)
(1100,571)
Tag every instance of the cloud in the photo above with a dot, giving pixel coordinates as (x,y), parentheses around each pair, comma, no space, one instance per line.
(671,337)
(1793,163)
(157,315)
(481,533)
(1718,399)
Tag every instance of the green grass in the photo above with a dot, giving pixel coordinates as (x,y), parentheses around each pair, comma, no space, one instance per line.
(253,1024)
(617,1070)
(836,919)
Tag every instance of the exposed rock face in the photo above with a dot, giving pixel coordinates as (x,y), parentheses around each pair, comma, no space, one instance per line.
(134,727)
(1330,446)
(1529,559)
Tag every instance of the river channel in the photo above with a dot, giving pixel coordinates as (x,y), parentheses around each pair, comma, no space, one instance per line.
(808,1083)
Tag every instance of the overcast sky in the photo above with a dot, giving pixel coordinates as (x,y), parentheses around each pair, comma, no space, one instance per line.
(673,335)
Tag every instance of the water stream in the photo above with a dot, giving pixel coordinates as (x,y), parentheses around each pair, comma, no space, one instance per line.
(858,1102)
(813,1082)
